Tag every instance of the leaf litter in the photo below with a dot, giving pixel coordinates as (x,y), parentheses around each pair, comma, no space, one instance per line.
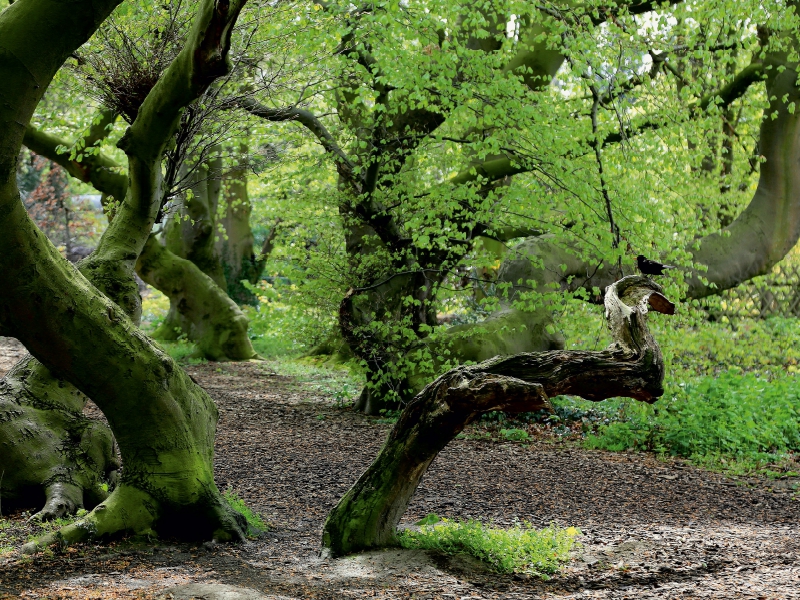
(651,529)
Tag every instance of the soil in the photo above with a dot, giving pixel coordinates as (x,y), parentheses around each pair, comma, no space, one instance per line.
(650,529)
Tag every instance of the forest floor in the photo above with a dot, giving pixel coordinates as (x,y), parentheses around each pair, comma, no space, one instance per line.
(650,529)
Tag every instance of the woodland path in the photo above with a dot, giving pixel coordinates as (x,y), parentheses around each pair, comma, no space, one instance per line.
(651,529)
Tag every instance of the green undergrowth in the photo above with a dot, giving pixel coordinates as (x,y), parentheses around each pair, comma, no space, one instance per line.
(6,541)
(254,520)
(339,383)
(280,326)
(182,350)
(741,422)
(517,549)
(16,530)
(731,400)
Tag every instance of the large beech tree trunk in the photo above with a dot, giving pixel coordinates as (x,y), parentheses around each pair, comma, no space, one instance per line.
(632,366)
(163,422)
(52,456)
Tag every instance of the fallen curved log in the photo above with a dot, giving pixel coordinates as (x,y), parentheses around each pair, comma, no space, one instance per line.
(632,366)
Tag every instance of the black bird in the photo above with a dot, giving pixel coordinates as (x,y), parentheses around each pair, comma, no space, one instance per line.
(651,267)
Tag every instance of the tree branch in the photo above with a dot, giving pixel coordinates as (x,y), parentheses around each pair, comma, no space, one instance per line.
(723,97)
(505,166)
(96,168)
(344,165)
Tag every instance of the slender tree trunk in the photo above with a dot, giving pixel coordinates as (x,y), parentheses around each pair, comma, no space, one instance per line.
(368,514)
(190,231)
(237,245)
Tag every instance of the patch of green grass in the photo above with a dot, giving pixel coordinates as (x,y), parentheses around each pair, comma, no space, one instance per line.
(182,351)
(5,540)
(254,520)
(519,549)
(43,527)
(280,326)
(515,435)
(338,382)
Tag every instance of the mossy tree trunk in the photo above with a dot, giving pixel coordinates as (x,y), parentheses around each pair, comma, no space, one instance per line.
(164,423)
(390,310)
(367,516)
(52,456)
(237,246)
(214,321)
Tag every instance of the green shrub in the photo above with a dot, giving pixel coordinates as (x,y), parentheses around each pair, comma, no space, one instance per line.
(519,549)
(282,325)
(515,435)
(731,398)
(713,420)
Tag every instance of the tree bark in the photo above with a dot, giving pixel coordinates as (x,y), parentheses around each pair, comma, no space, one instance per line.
(163,422)
(237,245)
(214,321)
(190,231)
(367,516)
(52,456)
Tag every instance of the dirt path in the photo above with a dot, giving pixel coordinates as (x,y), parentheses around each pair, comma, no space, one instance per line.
(651,529)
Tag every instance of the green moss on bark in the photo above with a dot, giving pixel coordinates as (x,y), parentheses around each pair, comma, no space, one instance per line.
(216,324)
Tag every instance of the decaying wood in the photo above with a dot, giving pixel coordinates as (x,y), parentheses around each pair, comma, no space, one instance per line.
(632,366)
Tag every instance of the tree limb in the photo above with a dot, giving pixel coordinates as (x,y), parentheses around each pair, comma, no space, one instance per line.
(306,118)
(96,168)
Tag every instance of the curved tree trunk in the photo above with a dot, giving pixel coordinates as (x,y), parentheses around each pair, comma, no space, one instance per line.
(632,366)
(213,320)
(770,225)
(163,422)
(52,456)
